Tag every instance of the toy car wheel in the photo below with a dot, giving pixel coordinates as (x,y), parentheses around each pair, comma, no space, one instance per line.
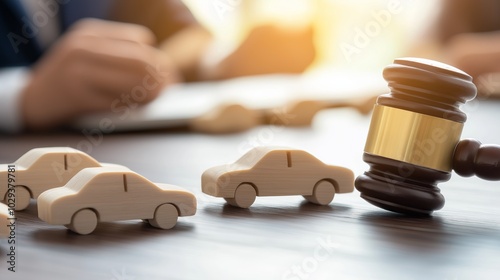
(323,193)
(83,222)
(244,196)
(165,216)
(23,197)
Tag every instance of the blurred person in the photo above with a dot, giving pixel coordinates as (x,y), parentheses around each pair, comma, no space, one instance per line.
(56,64)
(466,34)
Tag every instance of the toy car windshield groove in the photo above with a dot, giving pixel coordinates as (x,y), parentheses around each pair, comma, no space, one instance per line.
(112,194)
(276,171)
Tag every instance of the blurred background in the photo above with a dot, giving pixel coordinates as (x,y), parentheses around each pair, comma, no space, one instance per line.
(342,47)
(356,35)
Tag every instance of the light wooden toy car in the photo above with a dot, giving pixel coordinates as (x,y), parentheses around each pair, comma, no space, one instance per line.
(41,169)
(276,171)
(5,220)
(111,194)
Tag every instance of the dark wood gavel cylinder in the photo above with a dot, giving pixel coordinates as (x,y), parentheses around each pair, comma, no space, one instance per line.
(414,138)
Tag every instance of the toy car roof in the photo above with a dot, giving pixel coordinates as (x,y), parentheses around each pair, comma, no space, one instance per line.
(79,181)
(30,157)
(253,156)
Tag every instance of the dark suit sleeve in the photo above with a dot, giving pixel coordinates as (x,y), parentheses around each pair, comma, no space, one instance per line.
(163,17)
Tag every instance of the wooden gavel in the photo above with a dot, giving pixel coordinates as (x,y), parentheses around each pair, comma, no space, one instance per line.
(414,138)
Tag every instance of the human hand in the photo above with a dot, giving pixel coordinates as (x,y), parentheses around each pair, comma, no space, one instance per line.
(475,53)
(269,49)
(94,65)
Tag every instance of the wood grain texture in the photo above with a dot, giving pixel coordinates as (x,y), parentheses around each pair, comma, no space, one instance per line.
(5,217)
(227,118)
(105,194)
(278,237)
(276,171)
(41,169)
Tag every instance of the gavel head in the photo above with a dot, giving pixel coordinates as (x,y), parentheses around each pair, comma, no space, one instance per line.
(413,134)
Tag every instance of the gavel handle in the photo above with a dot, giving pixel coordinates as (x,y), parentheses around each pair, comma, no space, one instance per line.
(473,158)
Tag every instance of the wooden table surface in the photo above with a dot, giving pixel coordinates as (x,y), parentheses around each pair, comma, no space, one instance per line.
(278,237)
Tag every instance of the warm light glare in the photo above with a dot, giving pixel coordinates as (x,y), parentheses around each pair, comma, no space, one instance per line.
(352,34)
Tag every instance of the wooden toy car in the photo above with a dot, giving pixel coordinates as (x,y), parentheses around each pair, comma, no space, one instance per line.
(275,171)
(41,169)
(111,194)
(5,220)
